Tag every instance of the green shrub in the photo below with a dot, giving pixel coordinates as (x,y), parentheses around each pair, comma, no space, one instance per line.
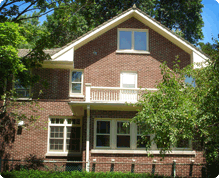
(48,174)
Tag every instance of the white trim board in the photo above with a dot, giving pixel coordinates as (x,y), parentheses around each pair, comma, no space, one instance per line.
(144,19)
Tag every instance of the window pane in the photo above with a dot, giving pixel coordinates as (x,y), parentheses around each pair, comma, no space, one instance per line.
(103,127)
(74,121)
(23,92)
(129,80)
(140,41)
(125,40)
(190,80)
(73,132)
(123,141)
(103,140)
(56,144)
(121,129)
(57,121)
(76,88)
(56,132)
(73,145)
(128,85)
(142,142)
(76,76)
(183,143)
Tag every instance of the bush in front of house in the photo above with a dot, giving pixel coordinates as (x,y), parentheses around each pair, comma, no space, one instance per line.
(48,174)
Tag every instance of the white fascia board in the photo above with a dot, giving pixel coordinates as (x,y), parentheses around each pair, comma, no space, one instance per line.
(58,64)
(164,32)
(95,33)
(67,55)
(198,60)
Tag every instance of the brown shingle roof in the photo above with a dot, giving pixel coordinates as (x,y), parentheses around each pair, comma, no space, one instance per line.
(24,52)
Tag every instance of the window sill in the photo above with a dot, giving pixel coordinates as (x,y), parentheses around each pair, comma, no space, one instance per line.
(62,154)
(24,99)
(76,96)
(175,152)
(132,52)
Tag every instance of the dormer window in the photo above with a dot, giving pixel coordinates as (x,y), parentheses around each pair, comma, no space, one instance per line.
(133,41)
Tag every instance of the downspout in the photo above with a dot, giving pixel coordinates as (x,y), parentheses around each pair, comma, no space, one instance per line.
(4,99)
(88,139)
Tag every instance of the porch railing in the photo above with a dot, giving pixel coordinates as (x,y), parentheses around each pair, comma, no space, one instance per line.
(114,94)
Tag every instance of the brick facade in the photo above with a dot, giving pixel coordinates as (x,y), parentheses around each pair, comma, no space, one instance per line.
(102,67)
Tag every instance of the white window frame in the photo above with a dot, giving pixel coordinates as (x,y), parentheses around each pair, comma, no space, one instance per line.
(23,97)
(133,138)
(129,72)
(82,84)
(141,135)
(184,148)
(65,124)
(113,133)
(132,50)
(119,134)
(95,132)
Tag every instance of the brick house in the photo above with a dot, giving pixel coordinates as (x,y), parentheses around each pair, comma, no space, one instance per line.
(90,80)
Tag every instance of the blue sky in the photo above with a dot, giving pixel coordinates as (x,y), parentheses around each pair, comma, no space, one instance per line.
(210,17)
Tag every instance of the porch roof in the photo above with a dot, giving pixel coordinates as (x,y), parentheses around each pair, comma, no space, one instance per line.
(118,106)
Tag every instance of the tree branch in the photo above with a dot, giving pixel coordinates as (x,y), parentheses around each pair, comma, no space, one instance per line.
(25,10)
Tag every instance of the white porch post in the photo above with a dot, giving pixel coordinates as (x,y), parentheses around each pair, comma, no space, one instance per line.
(88,88)
(88,139)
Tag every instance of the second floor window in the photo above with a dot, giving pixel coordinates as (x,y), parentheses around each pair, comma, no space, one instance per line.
(77,82)
(133,40)
(22,92)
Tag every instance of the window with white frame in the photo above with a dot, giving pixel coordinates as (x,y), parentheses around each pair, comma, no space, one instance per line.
(115,133)
(123,134)
(64,135)
(183,143)
(128,80)
(103,134)
(141,139)
(22,92)
(76,82)
(133,40)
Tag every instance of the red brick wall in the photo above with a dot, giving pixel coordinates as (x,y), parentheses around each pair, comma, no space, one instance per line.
(57,84)
(140,159)
(34,140)
(104,68)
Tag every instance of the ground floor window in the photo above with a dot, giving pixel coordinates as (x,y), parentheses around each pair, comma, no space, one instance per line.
(64,135)
(116,133)
(123,134)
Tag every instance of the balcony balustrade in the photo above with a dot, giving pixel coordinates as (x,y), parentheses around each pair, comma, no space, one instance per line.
(114,94)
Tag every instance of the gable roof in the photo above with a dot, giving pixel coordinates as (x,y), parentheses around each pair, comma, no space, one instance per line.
(51,52)
(141,16)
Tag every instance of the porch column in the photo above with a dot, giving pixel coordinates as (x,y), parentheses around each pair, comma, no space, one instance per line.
(88,87)
(88,139)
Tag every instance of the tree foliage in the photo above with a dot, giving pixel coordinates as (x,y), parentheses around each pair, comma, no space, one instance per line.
(179,110)
(184,16)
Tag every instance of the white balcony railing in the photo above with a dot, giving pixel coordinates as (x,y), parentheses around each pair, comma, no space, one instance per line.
(114,94)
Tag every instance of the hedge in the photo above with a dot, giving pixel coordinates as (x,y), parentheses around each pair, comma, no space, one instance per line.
(42,174)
